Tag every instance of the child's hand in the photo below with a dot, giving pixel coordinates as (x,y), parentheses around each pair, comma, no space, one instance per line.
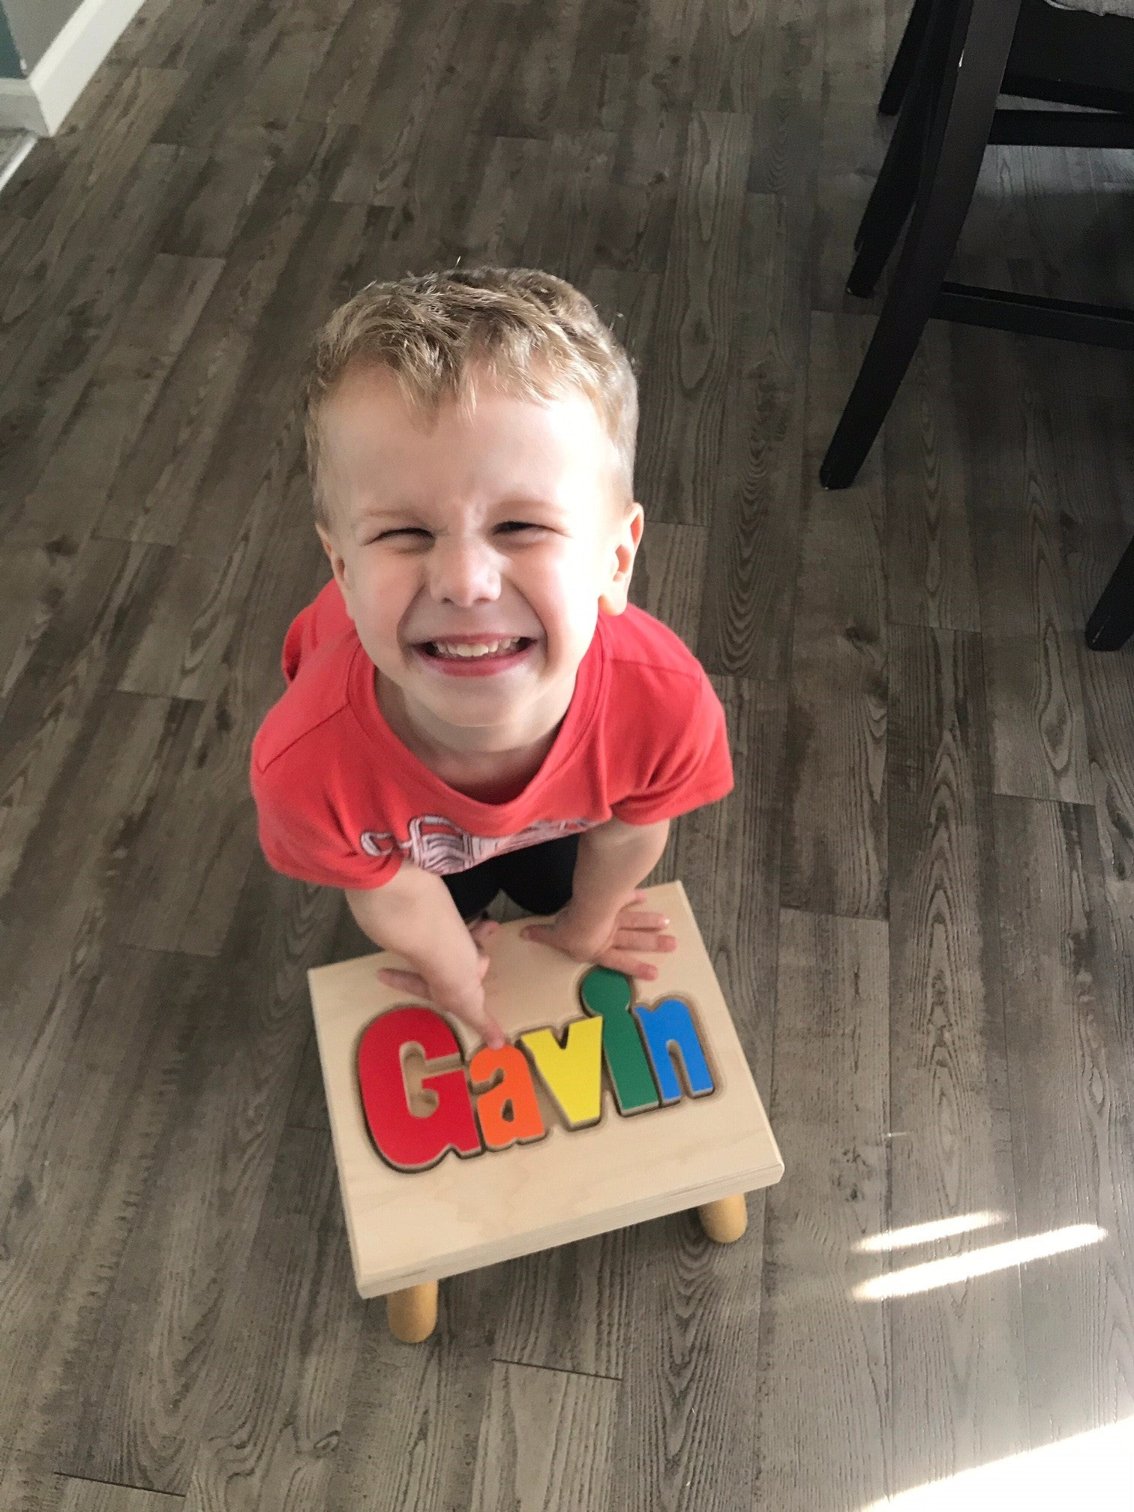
(466,1001)
(617,942)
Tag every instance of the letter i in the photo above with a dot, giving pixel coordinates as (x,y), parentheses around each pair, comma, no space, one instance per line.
(608,995)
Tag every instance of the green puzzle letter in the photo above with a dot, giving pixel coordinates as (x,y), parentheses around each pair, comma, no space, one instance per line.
(608,995)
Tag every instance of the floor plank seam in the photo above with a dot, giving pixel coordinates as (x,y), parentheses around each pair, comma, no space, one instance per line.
(94,1480)
(591,1375)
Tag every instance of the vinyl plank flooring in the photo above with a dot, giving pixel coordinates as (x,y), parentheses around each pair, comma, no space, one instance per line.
(59,699)
(566,1308)
(61,348)
(669,575)
(112,413)
(157,489)
(685,1416)
(413,1422)
(597,94)
(189,907)
(564,228)
(170,1331)
(234,521)
(1072,1121)
(930,558)
(30,1487)
(754,536)
(398,110)
(681,430)
(727,57)
(56,944)
(225,182)
(1039,745)
(821,1399)
(958,1376)
(546,42)
(31,587)
(838,680)
(271,1434)
(93,1156)
(500,216)
(1109,687)
(547,1442)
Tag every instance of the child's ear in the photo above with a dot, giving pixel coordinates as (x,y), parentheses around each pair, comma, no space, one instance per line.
(335,557)
(613,598)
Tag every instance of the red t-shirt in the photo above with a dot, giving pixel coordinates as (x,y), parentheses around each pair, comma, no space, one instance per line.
(341,800)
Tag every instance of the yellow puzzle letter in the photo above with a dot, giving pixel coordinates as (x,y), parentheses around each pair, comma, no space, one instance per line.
(571,1072)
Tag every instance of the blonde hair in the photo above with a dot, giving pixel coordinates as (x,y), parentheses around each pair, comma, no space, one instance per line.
(532,334)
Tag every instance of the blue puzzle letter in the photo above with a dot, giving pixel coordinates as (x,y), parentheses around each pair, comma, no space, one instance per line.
(669,1026)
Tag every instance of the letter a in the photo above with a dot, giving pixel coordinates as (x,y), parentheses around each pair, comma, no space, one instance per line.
(509,1111)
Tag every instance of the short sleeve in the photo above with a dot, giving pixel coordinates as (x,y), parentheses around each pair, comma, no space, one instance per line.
(324,619)
(690,766)
(301,838)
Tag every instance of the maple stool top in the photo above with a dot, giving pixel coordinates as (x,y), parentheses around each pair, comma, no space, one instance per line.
(611,1105)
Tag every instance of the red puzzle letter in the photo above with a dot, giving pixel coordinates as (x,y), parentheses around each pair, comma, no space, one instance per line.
(405,1139)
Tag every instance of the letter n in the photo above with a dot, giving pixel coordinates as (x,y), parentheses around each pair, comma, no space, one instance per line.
(669,1027)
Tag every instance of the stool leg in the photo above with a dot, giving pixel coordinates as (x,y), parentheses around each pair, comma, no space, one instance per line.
(412,1314)
(724,1220)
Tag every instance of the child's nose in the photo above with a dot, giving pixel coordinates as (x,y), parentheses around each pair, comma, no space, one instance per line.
(464,572)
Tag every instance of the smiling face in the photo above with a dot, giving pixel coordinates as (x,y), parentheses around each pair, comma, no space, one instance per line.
(474,552)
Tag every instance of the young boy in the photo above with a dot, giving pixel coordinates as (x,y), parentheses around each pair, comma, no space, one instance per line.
(471,704)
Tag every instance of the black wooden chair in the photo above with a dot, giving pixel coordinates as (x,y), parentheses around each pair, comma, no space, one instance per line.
(956,58)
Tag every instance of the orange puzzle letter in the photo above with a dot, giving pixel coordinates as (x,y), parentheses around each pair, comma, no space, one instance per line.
(509,1111)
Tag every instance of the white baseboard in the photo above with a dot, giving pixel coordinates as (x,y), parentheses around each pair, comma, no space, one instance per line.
(41,103)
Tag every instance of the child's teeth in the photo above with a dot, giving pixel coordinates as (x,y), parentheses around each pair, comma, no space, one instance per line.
(481,648)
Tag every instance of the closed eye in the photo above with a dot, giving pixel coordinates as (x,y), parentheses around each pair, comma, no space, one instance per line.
(515,527)
(404,532)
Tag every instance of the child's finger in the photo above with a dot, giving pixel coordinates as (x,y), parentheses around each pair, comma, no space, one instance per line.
(644,939)
(628,964)
(488,1029)
(483,930)
(642,920)
(404,981)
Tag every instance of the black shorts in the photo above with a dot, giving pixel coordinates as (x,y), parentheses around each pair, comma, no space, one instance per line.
(538,879)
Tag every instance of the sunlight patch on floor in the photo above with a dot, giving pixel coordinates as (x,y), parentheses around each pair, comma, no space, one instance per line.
(928,1233)
(980,1262)
(1094,1468)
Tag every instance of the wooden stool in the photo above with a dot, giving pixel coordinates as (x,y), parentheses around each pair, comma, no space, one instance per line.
(611,1106)
(412,1313)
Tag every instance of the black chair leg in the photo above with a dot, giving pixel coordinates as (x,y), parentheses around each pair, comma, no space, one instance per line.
(902,68)
(892,197)
(1112,623)
(974,70)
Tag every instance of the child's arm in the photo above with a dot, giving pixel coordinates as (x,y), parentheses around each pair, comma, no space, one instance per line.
(415,916)
(598,924)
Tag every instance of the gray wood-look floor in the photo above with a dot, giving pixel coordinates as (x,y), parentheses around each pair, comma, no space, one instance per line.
(920,898)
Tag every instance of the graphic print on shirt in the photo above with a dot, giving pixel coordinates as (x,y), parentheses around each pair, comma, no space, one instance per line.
(436,844)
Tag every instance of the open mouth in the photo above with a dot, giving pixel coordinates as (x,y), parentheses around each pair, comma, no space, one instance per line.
(472,651)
